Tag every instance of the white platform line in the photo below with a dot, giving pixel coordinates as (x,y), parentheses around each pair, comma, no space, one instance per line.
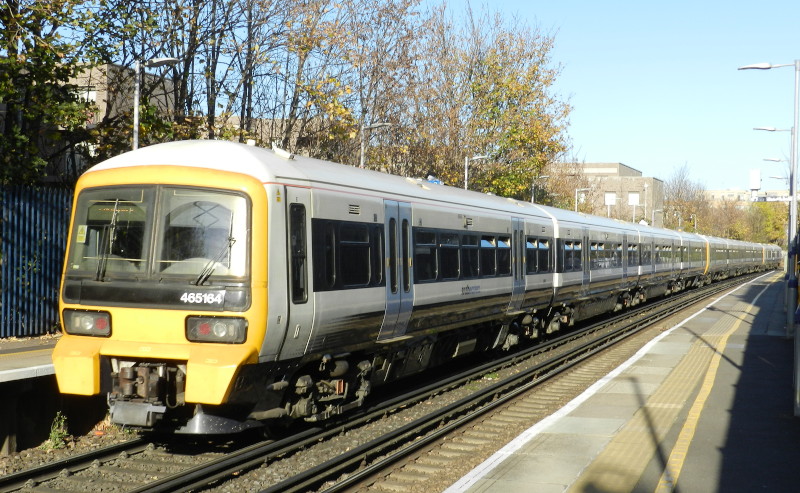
(495,460)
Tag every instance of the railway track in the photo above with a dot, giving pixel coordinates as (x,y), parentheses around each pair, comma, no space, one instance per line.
(363,449)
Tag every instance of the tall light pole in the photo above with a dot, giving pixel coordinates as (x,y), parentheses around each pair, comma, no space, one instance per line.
(533,186)
(364,128)
(152,63)
(792,253)
(645,201)
(466,168)
(576,196)
(653,219)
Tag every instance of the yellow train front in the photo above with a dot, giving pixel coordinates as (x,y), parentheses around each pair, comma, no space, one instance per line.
(160,282)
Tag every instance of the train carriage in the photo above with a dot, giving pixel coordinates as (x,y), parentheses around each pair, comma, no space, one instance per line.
(210,286)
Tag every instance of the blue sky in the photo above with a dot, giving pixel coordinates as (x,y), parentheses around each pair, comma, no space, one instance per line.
(655,85)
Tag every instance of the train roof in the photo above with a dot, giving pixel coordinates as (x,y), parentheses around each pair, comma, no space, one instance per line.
(277,166)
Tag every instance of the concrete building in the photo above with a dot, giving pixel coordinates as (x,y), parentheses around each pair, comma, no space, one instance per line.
(621,192)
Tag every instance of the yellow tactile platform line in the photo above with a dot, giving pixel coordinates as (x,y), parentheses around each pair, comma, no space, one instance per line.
(620,465)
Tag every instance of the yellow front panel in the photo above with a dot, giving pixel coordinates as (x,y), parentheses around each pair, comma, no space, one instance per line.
(152,333)
(77,364)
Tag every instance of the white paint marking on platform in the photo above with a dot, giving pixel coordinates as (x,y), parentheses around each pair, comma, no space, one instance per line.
(526,436)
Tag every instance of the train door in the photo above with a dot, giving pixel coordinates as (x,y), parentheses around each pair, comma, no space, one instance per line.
(517,264)
(298,246)
(399,281)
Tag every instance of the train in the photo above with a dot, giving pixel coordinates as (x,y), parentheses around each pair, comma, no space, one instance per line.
(210,287)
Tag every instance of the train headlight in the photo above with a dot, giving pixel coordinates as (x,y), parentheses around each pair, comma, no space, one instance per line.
(86,323)
(216,329)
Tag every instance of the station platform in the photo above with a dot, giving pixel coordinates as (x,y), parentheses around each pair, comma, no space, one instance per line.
(705,407)
(21,359)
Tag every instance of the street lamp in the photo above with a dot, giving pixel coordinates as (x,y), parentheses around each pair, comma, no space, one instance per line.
(533,186)
(576,195)
(152,63)
(694,217)
(364,128)
(653,219)
(791,257)
(645,201)
(466,168)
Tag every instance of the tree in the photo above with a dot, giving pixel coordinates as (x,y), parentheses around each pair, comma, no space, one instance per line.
(684,198)
(44,116)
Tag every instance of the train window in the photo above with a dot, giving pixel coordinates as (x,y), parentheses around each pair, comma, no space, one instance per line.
(531,255)
(347,254)
(544,255)
(201,233)
(377,240)
(572,256)
(469,256)
(354,254)
(406,255)
(424,255)
(297,246)
(616,260)
(633,255)
(111,231)
(646,251)
(329,256)
(488,261)
(393,255)
(597,258)
(568,256)
(448,255)
(504,256)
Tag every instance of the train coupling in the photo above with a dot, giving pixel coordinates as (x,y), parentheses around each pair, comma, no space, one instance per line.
(142,414)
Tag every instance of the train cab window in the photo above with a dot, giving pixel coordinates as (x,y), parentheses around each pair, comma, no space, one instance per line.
(469,256)
(488,261)
(531,255)
(504,256)
(633,255)
(544,255)
(297,245)
(448,255)
(202,235)
(425,268)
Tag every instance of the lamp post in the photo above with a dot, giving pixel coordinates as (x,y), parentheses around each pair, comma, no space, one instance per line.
(645,201)
(152,63)
(533,186)
(653,219)
(694,218)
(466,168)
(790,267)
(576,196)
(364,128)
(791,262)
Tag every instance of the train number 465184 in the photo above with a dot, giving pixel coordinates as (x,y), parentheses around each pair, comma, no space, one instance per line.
(203,298)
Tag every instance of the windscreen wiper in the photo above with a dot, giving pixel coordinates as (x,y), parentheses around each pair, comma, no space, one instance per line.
(107,241)
(212,264)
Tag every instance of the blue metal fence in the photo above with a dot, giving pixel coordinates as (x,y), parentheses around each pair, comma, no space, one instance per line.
(34,236)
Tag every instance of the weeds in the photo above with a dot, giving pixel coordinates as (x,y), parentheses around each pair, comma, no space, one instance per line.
(58,433)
